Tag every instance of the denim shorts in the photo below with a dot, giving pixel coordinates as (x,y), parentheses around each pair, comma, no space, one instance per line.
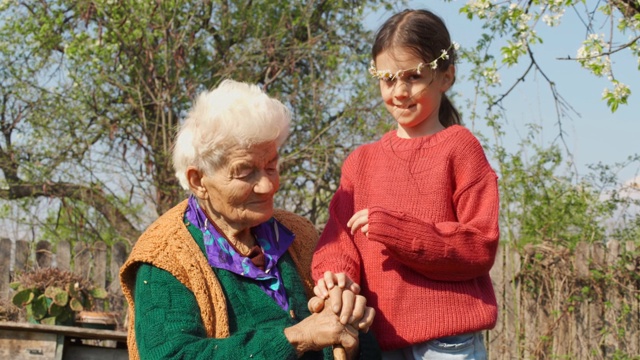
(459,347)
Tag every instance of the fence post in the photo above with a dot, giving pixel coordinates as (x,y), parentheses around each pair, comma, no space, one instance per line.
(63,256)
(513,326)
(495,338)
(561,343)
(22,256)
(99,273)
(528,329)
(81,260)
(611,295)
(5,267)
(580,324)
(118,257)
(43,254)
(632,318)
(596,303)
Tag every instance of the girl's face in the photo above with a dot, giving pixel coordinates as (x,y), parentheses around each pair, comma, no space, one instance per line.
(413,98)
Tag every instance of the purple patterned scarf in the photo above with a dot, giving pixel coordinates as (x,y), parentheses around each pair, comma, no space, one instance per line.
(273,238)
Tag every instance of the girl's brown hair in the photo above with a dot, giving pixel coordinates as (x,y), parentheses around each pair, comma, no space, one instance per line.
(425,34)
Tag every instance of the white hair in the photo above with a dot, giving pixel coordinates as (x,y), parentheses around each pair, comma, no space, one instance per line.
(233,114)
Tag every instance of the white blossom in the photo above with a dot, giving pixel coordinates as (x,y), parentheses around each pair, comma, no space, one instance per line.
(480,7)
(553,19)
(492,76)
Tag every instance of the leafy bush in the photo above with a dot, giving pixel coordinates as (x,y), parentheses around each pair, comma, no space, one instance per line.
(53,296)
(542,200)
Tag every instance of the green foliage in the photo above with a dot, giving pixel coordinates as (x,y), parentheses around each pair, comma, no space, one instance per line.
(95,90)
(75,221)
(539,204)
(52,296)
(617,97)
(542,198)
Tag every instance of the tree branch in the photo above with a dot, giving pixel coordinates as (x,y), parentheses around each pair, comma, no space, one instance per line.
(628,8)
(93,196)
(607,53)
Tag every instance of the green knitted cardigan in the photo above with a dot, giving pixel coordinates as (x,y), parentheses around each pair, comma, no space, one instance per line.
(255,320)
(168,245)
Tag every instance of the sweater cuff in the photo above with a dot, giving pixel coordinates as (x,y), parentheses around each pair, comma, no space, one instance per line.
(386,227)
(336,263)
(337,267)
(281,346)
(402,233)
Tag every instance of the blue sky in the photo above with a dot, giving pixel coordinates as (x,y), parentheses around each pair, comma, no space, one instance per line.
(592,135)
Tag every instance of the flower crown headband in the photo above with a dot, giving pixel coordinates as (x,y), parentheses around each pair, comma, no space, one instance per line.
(387,75)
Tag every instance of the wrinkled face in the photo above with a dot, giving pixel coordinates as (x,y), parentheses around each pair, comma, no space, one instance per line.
(240,192)
(412,97)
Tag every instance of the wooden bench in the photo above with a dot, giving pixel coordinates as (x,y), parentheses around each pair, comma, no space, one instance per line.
(25,341)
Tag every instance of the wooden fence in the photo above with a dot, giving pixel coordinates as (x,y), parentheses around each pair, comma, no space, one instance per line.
(560,304)
(553,303)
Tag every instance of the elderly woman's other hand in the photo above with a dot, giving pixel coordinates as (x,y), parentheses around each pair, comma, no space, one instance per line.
(352,312)
(320,330)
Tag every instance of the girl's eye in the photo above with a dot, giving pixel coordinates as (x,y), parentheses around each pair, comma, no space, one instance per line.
(410,77)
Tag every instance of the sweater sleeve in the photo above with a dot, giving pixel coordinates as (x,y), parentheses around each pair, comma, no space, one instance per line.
(168,325)
(448,251)
(336,251)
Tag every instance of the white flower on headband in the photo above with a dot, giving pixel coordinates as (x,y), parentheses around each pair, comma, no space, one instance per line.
(387,75)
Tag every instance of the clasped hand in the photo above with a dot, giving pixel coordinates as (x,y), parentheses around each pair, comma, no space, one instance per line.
(339,294)
(338,314)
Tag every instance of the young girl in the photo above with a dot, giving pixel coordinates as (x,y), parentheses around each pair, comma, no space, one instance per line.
(414,222)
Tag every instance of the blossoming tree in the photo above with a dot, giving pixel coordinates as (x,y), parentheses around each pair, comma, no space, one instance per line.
(543,198)
(611,27)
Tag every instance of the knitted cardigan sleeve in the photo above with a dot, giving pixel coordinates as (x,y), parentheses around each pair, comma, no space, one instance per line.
(168,325)
(453,250)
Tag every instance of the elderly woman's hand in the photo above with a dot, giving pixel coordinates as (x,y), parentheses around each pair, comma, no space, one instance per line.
(352,311)
(320,330)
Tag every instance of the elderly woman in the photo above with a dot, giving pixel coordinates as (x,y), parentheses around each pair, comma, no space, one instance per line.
(223,275)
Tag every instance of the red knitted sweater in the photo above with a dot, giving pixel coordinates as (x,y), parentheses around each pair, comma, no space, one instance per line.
(433,233)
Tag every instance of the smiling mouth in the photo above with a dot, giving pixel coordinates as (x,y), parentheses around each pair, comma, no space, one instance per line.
(405,107)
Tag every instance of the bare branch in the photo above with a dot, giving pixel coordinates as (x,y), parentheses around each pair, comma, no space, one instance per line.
(93,196)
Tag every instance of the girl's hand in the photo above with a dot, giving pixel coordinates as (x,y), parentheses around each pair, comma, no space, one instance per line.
(351,309)
(329,280)
(359,220)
